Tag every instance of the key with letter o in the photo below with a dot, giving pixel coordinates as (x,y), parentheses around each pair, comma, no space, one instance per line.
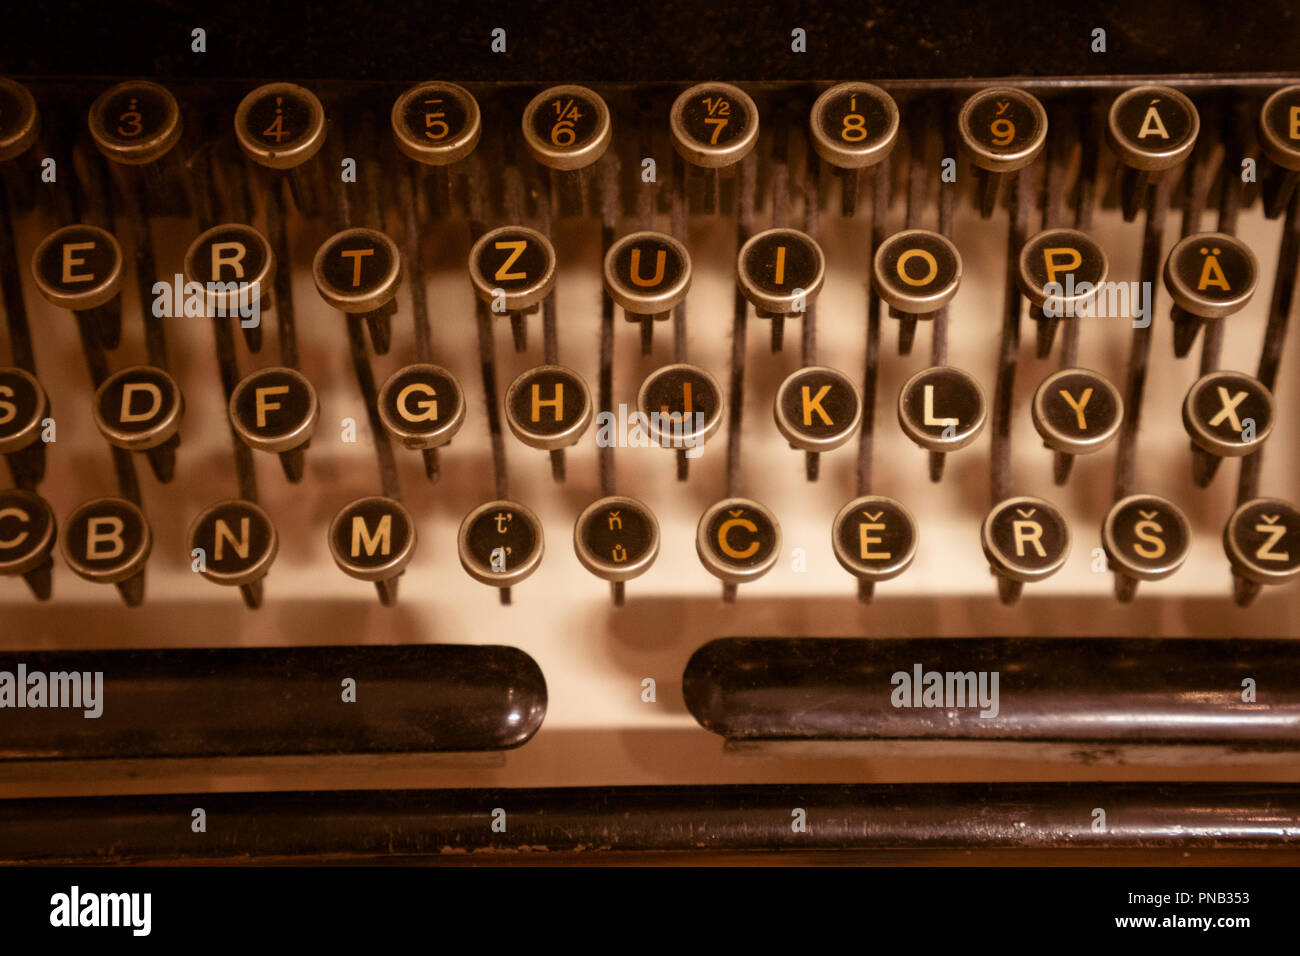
(916,272)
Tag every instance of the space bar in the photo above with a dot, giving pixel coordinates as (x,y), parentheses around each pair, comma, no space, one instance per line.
(264,701)
(1241,693)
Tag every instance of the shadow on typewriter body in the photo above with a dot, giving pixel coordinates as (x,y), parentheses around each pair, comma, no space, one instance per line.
(1179,688)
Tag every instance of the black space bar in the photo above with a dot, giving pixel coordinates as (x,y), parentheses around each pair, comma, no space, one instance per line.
(261,701)
(1240,692)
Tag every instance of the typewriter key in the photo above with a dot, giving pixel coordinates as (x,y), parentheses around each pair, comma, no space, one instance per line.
(275,409)
(616,538)
(817,409)
(1227,415)
(1151,129)
(436,123)
(941,408)
(373,539)
(23,408)
(500,544)
(549,407)
(236,267)
(108,541)
(1262,540)
(738,541)
(357,271)
(140,409)
(713,126)
(135,122)
(567,127)
(1279,133)
(916,272)
(1210,276)
(20,122)
(423,407)
(80,268)
(233,543)
(1061,271)
(512,269)
(647,273)
(853,126)
(1077,411)
(779,271)
(1003,130)
(27,533)
(1146,538)
(682,409)
(281,126)
(1025,539)
(874,539)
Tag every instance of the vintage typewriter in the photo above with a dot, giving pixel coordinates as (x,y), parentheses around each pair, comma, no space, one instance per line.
(842,446)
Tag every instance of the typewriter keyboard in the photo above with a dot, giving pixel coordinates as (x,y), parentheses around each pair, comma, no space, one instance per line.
(370,436)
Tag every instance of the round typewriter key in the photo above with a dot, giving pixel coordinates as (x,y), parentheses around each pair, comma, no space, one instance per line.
(1210,276)
(358,271)
(1227,415)
(1262,541)
(135,122)
(682,407)
(648,274)
(108,541)
(275,409)
(80,268)
(233,543)
(817,409)
(140,408)
(23,406)
(1151,129)
(280,125)
(548,407)
(373,539)
(422,406)
(941,408)
(567,127)
(714,125)
(916,272)
(854,125)
(1279,133)
(20,123)
(1146,538)
(436,123)
(512,269)
(738,540)
(27,533)
(500,544)
(1003,130)
(1077,411)
(616,538)
(1060,273)
(874,539)
(779,270)
(236,267)
(1025,540)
